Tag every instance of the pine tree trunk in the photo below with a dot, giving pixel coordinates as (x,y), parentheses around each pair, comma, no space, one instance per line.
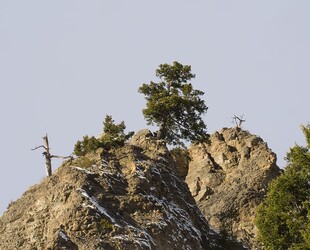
(161,134)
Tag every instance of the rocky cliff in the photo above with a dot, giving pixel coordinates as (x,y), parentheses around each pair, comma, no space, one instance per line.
(126,198)
(228,179)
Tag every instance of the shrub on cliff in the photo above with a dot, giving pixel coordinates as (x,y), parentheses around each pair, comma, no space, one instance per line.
(113,136)
(88,144)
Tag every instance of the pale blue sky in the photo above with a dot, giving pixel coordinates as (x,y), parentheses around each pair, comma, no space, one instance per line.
(65,64)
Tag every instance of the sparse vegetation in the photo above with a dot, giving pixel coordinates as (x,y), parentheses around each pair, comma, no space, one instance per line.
(84,162)
(105,224)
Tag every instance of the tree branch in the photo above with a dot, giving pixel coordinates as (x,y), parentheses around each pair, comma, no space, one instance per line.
(238,120)
(62,157)
(47,155)
(183,126)
(37,147)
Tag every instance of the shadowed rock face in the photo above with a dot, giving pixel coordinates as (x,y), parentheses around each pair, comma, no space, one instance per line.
(228,179)
(128,198)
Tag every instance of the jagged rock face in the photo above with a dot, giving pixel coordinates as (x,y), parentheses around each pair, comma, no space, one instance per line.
(228,179)
(128,198)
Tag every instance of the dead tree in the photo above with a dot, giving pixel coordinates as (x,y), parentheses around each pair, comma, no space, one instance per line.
(48,156)
(238,120)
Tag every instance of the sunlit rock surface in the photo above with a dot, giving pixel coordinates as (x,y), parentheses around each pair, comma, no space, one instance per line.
(127,198)
(228,179)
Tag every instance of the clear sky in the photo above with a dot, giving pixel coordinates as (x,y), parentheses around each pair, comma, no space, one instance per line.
(65,64)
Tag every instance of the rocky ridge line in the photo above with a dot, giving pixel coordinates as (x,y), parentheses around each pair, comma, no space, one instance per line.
(127,198)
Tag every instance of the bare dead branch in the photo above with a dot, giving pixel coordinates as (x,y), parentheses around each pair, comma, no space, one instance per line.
(238,120)
(47,155)
(37,147)
(62,157)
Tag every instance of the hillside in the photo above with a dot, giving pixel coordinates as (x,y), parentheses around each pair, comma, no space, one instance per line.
(140,196)
(127,198)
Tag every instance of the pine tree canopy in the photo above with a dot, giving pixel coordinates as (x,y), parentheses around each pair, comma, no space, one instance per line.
(283,218)
(175,106)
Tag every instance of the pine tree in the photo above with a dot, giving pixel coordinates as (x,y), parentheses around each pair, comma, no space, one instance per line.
(174,105)
(283,218)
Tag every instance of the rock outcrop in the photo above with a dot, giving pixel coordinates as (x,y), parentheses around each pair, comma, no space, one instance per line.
(126,198)
(228,179)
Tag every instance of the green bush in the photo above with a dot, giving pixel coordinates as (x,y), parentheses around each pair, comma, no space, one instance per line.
(88,144)
(113,136)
